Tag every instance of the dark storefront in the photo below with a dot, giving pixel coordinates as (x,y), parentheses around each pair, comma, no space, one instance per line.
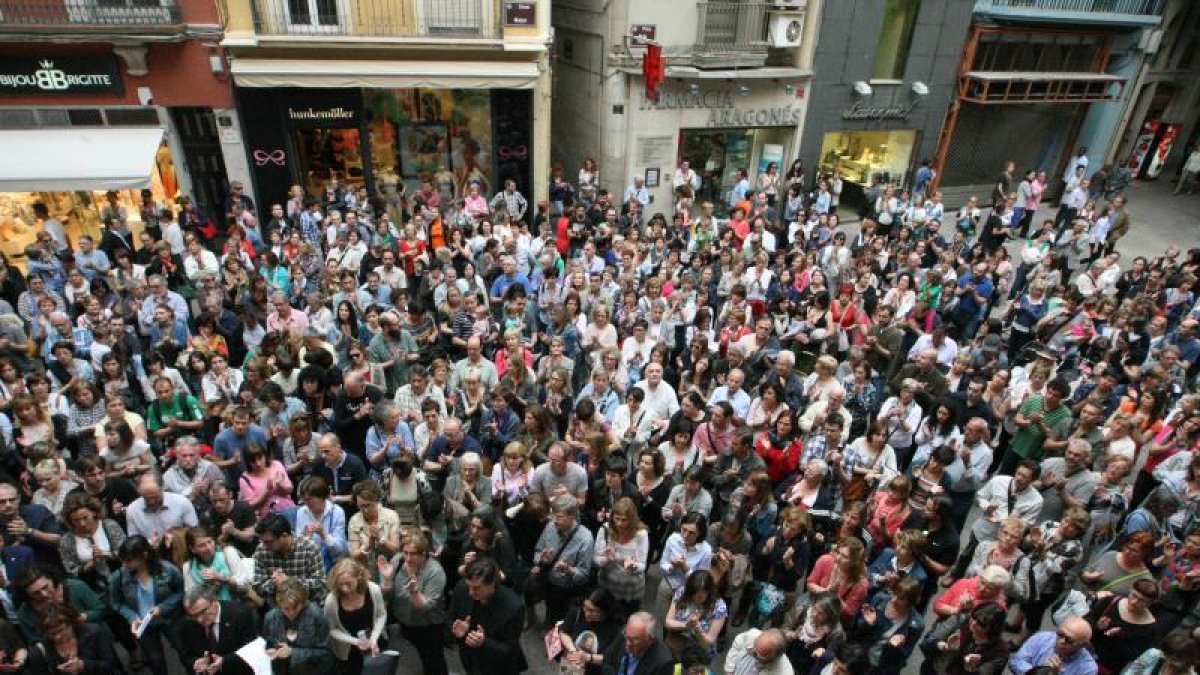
(386,139)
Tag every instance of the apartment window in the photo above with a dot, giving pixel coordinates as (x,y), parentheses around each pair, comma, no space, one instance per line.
(895,39)
(313,14)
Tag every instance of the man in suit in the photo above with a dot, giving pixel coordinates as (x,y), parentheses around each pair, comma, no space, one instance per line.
(639,653)
(212,632)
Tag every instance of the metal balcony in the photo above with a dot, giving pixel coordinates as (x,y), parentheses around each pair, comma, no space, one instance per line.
(378,18)
(1130,13)
(44,15)
(731,34)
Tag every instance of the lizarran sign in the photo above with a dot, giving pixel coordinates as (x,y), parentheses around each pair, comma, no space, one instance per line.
(20,76)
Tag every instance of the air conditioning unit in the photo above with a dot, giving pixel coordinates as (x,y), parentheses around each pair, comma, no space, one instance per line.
(786,29)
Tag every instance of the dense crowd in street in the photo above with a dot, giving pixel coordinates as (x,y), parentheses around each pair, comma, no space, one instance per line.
(686,438)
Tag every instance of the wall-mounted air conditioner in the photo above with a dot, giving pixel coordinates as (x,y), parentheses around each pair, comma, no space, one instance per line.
(786,29)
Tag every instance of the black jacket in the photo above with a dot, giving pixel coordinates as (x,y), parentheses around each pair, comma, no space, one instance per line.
(501,620)
(236,630)
(94,648)
(656,660)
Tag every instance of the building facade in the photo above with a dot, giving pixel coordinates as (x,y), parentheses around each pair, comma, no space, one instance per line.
(1159,124)
(386,94)
(883,79)
(1038,79)
(735,97)
(97,96)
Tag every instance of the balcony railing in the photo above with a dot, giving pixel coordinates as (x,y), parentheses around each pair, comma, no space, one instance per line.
(731,34)
(25,14)
(378,18)
(1113,12)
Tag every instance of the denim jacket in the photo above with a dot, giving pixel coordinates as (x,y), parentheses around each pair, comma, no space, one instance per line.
(168,593)
(311,645)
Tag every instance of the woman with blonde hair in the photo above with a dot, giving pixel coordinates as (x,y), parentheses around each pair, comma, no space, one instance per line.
(511,476)
(1005,552)
(621,552)
(54,490)
(357,614)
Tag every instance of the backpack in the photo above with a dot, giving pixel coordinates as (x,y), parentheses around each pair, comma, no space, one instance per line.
(431,503)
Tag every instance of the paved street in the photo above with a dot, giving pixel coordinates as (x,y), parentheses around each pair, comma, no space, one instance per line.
(1159,219)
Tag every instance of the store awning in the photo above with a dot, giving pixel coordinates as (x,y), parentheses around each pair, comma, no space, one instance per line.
(988,87)
(48,160)
(384,74)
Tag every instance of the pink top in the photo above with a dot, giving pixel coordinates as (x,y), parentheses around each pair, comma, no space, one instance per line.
(280,498)
(852,598)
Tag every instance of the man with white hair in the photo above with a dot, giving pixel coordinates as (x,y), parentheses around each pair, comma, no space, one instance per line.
(661,400)
(637,191)
(732,392)
(817,412)
(758,652)
(640,652)
(511,277)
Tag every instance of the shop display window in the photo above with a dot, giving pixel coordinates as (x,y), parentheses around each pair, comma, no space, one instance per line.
(862,154)
(717,154)
(442,136)
(81,211)
(328,153)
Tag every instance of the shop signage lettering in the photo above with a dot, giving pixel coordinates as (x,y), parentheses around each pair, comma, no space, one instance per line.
(898,111)
(754,117)
(49,75)
(338,113)
(519,14)
(676,100)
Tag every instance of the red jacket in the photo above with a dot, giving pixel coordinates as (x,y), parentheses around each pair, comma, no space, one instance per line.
(782,460)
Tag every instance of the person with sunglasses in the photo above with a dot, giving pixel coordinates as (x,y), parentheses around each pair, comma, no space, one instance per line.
(1063,651)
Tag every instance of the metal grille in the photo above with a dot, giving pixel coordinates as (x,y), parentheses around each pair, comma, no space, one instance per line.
(378,18)
(732,26)
(89,12)
(988,136)
(1152,7)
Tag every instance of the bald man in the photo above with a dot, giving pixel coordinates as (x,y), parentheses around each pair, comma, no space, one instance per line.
(1064,651)
(758,651)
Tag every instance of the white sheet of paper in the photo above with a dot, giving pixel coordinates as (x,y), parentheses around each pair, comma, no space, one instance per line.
(255,656)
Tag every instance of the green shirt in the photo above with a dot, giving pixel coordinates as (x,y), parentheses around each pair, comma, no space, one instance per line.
(182,407)
(1028,441)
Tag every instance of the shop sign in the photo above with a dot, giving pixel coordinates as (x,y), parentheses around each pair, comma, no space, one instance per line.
(687,100)
(520,14)
(784,116)
(52,75)
(311,114)
(897,111)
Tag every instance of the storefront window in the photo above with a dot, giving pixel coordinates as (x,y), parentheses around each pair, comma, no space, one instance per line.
(328,153)
(80,210)
(438,135)
(717,154)
(862,154)
(895,39)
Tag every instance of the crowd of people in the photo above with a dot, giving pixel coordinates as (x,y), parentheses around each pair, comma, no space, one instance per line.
(738,437)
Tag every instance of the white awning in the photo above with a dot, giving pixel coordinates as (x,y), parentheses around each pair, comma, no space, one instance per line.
(49,160)
(334,74)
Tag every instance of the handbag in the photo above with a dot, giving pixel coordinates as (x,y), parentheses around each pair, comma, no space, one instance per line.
(535,585)
(855,489)
(383,663)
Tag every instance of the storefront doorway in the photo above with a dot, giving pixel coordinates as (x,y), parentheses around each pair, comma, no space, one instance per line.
(717,154)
